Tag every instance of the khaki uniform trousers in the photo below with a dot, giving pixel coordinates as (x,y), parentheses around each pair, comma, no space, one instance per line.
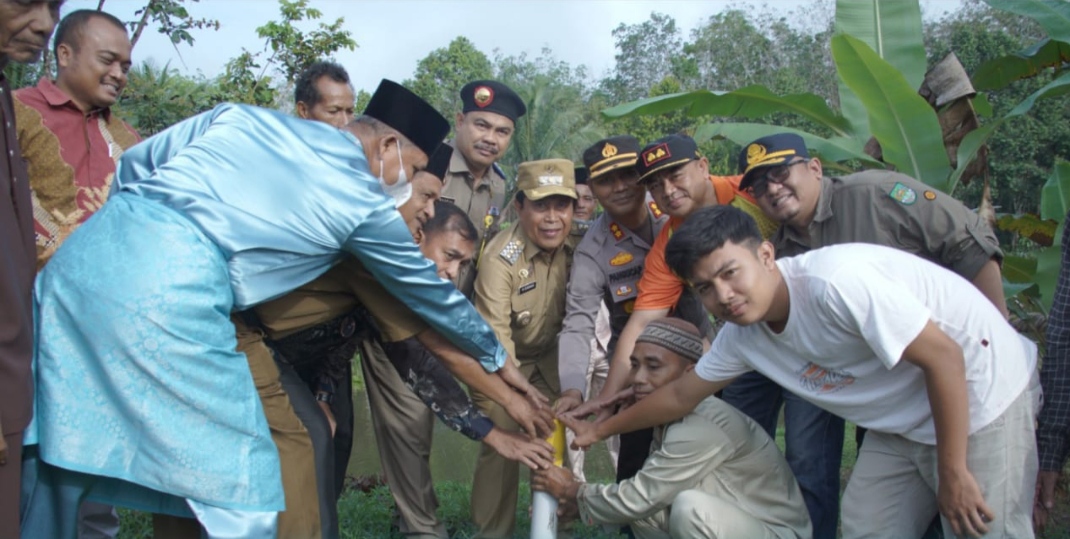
(497,479)
(302,516)
(403,429)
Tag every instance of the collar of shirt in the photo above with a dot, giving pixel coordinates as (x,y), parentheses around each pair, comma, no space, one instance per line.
(822,213)
(618,232)
(458,166)
(56,98)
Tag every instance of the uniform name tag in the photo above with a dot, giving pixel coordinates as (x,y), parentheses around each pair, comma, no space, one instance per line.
(527,288)
(448,199)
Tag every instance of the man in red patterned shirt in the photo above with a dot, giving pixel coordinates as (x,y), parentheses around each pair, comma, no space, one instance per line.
(70,139)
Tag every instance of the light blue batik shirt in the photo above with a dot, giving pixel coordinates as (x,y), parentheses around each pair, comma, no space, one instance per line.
(284,198)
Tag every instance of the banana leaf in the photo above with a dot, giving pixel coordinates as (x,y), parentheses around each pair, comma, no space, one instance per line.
(1052,15)
(900,119)
(892,29)
(1055,195)
(748,102)
(972,142)
(829,150)
(999,72)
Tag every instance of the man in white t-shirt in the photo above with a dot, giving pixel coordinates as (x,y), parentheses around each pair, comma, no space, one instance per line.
(886,340)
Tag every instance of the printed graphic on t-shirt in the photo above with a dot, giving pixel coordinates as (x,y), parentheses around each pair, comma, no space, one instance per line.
(818,379)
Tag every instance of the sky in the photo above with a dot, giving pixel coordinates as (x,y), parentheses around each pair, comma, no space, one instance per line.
(393,35)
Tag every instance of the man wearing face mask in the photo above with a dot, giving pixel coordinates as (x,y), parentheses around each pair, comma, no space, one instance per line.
(475,183)
(315,331)
(184,240)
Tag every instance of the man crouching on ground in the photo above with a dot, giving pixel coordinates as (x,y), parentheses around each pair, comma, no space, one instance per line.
(713,473)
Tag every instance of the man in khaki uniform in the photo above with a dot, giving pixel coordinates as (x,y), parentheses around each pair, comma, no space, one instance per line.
(713,473)
(474,182)
(520,291)
(301,322)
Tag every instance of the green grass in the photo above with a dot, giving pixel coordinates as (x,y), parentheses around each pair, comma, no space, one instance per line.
(369,515)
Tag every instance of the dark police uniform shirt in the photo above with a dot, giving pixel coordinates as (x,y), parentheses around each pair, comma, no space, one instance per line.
(606,267)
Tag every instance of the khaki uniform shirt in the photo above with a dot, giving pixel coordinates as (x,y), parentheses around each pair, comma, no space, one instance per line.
(894,210)
(482,200)
(520,291)
(606,267)
(334,294)
(714,449)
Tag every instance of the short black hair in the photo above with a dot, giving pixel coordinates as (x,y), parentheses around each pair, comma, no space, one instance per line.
(705,231)
(305,90)
(449,218)
(71,29)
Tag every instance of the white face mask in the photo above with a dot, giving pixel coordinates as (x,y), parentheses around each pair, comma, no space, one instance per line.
(401,191)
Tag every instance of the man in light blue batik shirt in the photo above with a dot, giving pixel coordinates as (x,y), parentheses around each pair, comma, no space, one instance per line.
(218,213)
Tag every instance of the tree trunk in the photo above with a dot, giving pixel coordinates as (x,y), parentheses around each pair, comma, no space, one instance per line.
(140,24)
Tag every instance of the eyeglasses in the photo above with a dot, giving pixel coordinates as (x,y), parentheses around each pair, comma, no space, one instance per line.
(778,175)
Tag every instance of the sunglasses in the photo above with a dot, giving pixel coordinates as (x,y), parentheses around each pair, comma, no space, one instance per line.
(778,175)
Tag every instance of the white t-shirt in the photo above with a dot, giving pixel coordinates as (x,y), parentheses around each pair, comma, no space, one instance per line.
(854,309)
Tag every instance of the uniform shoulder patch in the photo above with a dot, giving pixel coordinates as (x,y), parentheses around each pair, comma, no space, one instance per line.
(511,252)
(903,194)
(654,209)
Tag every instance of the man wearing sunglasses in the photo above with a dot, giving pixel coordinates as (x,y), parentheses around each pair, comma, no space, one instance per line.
(874,206)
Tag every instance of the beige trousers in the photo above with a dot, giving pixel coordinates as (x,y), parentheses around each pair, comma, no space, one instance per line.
(403,428)
(494,488)
(892,491)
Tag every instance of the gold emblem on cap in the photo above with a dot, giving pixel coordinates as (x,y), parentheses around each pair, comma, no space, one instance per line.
(609,150)
(654,154)
(755,153)
(483,95)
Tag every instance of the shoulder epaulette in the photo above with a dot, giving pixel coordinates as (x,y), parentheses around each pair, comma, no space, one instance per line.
(511,252)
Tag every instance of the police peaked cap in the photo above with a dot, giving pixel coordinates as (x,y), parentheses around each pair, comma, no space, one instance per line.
(439,162)
(404,111)
(492,96)
(610,154)
(769,151)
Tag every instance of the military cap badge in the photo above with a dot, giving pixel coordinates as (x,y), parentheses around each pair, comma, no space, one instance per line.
(609,150)
(755,154)
(483,96)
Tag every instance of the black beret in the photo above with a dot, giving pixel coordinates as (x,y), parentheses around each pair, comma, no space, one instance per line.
(399,108)
(492,96)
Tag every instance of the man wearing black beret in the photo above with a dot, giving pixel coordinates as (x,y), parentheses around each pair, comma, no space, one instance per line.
(474,182)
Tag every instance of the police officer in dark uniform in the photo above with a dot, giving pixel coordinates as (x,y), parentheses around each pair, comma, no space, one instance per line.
(474,181)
